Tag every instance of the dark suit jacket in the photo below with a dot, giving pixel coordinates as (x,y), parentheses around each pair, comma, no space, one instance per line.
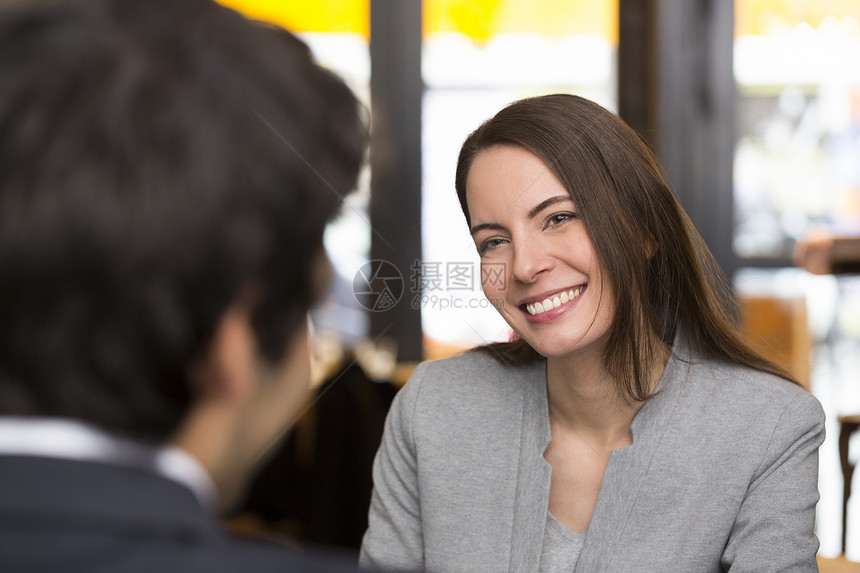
(70,516)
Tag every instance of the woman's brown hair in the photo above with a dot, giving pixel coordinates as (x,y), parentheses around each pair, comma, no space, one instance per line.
(662,275)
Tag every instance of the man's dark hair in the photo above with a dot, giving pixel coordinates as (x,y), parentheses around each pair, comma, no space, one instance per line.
(150,173)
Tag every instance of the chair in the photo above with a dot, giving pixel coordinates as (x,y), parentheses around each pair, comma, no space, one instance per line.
(847,426)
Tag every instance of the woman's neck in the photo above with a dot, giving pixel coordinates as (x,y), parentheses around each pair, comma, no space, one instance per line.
(585,395)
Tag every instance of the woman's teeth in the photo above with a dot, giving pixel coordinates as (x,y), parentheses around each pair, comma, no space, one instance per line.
(550,303)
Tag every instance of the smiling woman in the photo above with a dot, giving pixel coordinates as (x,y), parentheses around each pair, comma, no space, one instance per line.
(661,273)
(522,217)
(629,427)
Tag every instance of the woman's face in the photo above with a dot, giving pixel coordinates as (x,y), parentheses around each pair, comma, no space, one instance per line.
(525,227)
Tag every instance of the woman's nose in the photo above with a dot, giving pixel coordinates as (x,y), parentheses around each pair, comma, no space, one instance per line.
(531,258)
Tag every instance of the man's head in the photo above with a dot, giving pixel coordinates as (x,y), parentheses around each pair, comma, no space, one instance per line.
(165,165)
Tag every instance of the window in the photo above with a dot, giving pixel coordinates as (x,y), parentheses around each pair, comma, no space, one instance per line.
(478,56)
(797,68)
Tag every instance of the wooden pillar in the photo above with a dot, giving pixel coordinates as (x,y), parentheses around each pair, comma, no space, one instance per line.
(395,159)
(676,87)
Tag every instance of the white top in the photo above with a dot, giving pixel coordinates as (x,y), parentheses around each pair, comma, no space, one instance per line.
(73,440)
(561,547)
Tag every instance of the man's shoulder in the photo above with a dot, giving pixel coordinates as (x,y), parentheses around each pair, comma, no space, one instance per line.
(68,515)
(233,553)
(88,551)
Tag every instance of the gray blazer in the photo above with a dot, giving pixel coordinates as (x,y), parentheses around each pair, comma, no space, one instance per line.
(722,474)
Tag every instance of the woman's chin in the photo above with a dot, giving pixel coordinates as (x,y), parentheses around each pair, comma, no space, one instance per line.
(561,347)
(548,350)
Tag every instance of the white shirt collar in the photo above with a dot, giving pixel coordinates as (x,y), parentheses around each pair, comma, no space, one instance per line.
(73,440)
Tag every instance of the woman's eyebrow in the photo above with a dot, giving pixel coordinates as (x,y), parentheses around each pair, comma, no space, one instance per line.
(532,214)
(546,203)
(482,226)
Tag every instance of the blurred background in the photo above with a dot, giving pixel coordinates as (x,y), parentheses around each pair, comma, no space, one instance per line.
(753,107)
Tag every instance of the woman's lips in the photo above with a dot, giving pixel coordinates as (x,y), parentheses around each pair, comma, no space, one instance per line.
(554,301)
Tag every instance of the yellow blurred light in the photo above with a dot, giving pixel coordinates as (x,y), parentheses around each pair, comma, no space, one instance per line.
(757,17)
(477,19)
(345,16)
(482,19)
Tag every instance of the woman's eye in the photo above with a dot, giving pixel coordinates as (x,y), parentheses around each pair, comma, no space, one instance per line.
(489,245)
(559,218)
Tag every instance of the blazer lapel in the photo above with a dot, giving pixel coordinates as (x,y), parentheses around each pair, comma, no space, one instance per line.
(534,473)
(628,468)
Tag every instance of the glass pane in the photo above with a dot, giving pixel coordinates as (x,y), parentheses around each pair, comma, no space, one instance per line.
(797,68)
(478,56)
